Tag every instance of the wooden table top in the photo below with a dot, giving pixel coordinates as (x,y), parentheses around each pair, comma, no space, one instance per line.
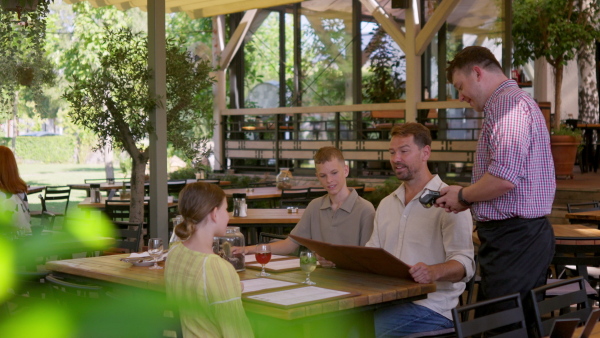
(269,192)
(588,125)
(119,185)
(372,289)
(34,188)
(87,203)
(585,215)
(267,216)
(568,234)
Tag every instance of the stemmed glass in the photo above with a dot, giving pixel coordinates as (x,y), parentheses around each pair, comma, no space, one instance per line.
(308,264)
(155,249)
(263,256)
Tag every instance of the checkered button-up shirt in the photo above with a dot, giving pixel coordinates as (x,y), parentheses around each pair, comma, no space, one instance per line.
(514,145)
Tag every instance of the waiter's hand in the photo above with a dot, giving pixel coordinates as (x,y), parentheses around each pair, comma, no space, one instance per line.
(422,273)
(449,199)
(325,263)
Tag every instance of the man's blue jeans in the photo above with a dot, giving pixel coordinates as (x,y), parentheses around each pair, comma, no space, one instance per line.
(404,319)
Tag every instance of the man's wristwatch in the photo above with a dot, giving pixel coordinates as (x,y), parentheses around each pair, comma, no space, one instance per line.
(461,200)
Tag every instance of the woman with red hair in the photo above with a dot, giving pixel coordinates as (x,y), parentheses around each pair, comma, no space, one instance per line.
(14,208)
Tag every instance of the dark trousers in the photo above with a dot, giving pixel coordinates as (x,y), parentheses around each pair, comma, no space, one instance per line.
(514,256)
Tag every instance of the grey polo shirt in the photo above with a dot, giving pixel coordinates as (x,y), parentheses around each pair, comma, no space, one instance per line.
(351,224)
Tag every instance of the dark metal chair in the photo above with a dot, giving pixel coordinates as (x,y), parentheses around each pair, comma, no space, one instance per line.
(70,292)
(175,186)
(314,192)
(580,258)
(128,237)
(360,189)
(54,194)
(545,309)
(510,313)
(294,198)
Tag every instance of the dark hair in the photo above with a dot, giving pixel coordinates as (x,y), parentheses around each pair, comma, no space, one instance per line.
(472,56)
(326,154)
(10,181)
(196,201)
(420,133)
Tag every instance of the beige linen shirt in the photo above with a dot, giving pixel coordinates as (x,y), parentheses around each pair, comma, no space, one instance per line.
(350,224)
(416,234)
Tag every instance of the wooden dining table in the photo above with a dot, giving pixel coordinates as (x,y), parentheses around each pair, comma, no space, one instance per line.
(87,203)
(567,234)
(367,292)
(105,186)
(256,219)
(585,216)
(35,188)
(268,192)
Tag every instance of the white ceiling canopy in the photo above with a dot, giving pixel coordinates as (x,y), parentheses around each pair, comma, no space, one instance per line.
(194,8)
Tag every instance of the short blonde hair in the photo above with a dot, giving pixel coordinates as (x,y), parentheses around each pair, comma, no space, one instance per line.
(327,154)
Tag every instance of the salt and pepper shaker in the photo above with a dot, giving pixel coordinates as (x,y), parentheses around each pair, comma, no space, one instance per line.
(239,205)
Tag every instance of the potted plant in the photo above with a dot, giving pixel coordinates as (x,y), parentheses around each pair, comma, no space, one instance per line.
(565,144)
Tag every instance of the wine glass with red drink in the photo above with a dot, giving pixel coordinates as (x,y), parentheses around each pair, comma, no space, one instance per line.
(263,256)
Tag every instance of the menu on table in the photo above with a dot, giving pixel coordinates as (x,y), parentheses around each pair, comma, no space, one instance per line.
(258,284)
(298,296)
(358,258)
(278,266)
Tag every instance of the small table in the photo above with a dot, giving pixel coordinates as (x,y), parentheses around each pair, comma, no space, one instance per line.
(257,218)
(585,216)
(35,188)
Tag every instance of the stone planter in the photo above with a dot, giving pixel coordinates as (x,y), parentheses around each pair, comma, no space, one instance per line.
(564,152)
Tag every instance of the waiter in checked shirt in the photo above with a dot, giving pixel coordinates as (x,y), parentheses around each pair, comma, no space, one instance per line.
(513,181)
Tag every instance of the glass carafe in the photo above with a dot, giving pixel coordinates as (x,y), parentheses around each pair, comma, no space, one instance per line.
(222,246)
(284,179)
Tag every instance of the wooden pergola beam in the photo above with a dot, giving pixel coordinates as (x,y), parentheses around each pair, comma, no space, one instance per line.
(387,22)
(440,15)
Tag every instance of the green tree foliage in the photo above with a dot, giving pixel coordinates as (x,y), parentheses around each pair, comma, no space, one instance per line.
(114,100)
(24,63)
(554,30)
(384,81)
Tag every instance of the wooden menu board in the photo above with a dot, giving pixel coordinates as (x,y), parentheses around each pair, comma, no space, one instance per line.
(358,258)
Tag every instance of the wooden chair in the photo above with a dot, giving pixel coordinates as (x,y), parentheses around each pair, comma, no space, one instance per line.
(545,309)
(511,313)
(294,198)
